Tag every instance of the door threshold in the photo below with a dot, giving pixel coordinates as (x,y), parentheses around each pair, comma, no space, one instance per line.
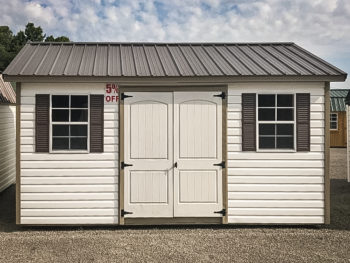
(174,221)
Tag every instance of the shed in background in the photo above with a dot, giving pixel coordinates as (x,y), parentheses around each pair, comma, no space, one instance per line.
(338,125)
(7,134)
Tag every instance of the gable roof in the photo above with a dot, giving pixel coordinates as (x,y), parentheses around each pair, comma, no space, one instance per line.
(86,59)
(338,97)
(7,94)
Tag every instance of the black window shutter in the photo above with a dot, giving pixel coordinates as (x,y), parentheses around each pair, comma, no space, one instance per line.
(248,122)
(42,122)
(96,123)
(303,121)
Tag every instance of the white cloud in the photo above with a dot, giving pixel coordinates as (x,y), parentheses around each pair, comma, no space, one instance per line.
(321,26)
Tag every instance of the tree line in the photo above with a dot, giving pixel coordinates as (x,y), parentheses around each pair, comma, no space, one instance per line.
(11,44)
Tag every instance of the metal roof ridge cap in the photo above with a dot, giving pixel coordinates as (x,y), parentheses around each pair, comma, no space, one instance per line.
(320,59)
(161,43)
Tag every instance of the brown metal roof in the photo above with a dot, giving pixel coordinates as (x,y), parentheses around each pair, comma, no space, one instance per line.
(7,94)
(169,60)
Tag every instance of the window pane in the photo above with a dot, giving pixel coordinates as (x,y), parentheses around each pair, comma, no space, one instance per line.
(60,130)
(78,130)
(60,115)
(285,129)
(78,143)
(79,101)
(285,101)
(60,101)
(285,114)
(333,125)
(266,142)
(285,143)
(79,115)
(266,100)
(60,143)
(266,114)
(266,129)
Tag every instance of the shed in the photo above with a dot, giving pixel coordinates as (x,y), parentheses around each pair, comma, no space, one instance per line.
(338,117)
(7,135)
(172,133)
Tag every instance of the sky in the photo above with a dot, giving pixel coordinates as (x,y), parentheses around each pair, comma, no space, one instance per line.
(320,26)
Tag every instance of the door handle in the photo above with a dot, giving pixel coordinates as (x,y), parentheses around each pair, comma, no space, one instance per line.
(175,164)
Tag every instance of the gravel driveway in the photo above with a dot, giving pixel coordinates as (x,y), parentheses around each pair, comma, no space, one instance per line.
(186,244)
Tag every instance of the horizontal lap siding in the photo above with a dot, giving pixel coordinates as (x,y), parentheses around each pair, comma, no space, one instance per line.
(7,146)
(68,188)
(276,188)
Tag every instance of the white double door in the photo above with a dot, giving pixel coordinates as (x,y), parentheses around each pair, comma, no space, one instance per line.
(172,140)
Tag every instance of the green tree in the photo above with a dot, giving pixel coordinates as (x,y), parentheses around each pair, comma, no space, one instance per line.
(57,39)
(11,44)
(33,33)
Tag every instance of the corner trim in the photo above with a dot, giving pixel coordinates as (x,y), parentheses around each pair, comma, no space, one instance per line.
(327,211)
(18,153)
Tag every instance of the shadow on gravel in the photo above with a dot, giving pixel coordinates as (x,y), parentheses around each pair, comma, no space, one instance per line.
(340,214)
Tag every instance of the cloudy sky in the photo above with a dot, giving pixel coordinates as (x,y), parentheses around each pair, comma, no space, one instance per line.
(321,26)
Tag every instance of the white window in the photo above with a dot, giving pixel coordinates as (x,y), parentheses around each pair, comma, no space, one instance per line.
(334,121)
(69,122)
(276,121)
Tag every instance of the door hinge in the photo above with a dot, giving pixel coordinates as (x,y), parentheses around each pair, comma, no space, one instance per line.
(223,212)
(124,96)
(123,213)
(222,95)
(222,164)
(123,165)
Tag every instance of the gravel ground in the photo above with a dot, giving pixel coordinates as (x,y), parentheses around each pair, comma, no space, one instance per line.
(184,243)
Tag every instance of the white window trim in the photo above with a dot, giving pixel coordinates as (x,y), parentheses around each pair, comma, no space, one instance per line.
(336,121)
(83,123)
(274,122)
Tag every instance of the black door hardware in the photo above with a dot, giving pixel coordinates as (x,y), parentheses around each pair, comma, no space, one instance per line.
(175,164)
(123,213)
(123,165)
(124,96)
(223,212)
(222,164)
(222,95)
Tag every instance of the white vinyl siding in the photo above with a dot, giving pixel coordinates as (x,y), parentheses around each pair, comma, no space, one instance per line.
(68,188)
(277,188)
(8,146)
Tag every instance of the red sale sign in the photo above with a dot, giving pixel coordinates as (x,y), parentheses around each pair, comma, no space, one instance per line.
(112,93)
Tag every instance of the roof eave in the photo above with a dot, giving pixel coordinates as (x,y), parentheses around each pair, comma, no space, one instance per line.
(189,79)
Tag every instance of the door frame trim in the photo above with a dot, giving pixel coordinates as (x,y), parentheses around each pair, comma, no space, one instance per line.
(172,88)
